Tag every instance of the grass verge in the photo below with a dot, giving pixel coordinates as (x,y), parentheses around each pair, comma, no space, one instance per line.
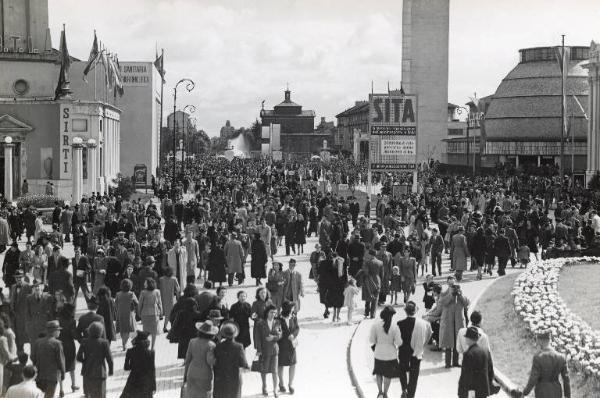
(513,346)
(578,287)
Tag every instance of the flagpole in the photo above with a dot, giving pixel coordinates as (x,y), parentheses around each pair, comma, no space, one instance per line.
(562,108)
(95,98)
(162,87)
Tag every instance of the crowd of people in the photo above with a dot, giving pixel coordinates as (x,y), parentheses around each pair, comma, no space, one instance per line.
(165,266)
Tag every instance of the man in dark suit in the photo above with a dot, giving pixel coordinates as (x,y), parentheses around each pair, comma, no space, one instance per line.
(55,259)
(81,266)
(547,365)
(18,309)
(94,354)
(477,370)
(87,319)
(48,356)
(39,308)
(415,333)
(62,280)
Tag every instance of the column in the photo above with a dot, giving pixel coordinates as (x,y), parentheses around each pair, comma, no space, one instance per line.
(92,169)
(77,172)
(8,168)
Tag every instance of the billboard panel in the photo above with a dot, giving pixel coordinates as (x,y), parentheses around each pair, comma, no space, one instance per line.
(393,132)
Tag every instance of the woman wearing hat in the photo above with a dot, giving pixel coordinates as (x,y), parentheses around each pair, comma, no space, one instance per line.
(229,359)
(385,339)
(139,360)
(199,362)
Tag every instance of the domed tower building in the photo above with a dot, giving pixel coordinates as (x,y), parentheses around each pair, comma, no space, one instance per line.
(523,121)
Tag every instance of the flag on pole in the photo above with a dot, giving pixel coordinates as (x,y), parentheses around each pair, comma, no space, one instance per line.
(62,89)
(159,63)
(92,59)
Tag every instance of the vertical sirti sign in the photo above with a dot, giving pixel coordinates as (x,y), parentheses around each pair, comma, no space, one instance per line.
(393,132)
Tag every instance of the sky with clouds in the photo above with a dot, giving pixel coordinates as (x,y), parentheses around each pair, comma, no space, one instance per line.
(240,52)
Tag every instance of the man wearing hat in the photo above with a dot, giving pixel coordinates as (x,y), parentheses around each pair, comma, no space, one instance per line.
(356,253)
(477,370)
(39,309)
(147,271)
(48,356)
(372,273)
(547,365)
(459,252)
(18,308)
(415,333)
(229,359)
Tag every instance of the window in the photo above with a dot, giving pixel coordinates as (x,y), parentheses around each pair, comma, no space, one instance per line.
(21,87)
(79,125)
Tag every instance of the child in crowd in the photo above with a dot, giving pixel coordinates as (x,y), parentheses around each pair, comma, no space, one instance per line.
(523,255)
(395,285)
(428,298)
(350,294)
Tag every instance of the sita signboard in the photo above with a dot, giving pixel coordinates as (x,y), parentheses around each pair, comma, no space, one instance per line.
(393,132)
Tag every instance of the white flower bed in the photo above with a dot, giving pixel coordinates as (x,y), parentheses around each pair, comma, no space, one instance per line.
(539,304)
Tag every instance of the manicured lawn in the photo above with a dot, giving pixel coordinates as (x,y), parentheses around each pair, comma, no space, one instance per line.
(579,287)
(512,344)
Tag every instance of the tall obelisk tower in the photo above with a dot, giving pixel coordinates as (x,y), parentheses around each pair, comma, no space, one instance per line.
(425,31)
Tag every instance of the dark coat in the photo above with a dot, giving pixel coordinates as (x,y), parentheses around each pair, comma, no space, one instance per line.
(94,355)
(61,280)
(258,265)
(183,327)
(85,321)
(229,358)
(106,309)
(477,372)
(67,338)
(10,266)
(142,379)
(216,265)
(547,365)
(47,355)
(240,313)
(502,246)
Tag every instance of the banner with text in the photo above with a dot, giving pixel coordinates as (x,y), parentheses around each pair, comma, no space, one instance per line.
(393,132)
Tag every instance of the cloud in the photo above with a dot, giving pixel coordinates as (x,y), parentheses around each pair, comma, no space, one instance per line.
(240,52)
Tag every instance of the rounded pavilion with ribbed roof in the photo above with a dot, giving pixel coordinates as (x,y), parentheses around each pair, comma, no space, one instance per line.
(523,120)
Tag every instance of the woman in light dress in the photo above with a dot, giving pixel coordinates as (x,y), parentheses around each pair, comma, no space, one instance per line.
(169,292)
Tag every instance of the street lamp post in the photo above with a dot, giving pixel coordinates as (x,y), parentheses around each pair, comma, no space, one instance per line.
(190,109)
(189,87)
(8,168)
(460,110)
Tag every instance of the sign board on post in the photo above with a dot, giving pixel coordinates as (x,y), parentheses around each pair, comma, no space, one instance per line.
(140,172)
(393,132)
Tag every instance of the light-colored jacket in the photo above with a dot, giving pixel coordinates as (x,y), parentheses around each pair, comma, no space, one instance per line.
(150,303)
(172,263)
(462,345)
(386,344)
(452,319)
(234,255)
(293,281)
